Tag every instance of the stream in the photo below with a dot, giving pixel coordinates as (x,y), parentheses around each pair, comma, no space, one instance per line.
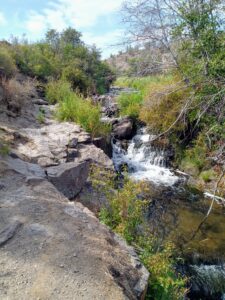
(175,213)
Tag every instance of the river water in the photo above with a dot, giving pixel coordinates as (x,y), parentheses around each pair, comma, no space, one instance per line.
(175,213)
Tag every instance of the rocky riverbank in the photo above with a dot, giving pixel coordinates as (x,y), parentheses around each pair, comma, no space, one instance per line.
(52,248)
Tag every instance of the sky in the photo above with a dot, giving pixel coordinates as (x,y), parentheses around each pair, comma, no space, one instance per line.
(98,20)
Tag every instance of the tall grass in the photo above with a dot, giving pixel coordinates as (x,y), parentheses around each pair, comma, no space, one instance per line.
(142,84)
(73,107)
(131,104)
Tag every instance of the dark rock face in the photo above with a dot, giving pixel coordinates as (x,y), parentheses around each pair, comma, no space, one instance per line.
(104,144)
(69,178)
(124,129)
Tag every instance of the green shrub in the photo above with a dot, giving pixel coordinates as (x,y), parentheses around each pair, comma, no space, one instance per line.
(130,104)
(164,282)
(7,64)
(76,77)
(41,115)
(163,103)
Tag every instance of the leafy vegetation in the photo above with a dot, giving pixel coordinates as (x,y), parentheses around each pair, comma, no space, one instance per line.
(7,63)
(124,213)
(59,56)
(73,107)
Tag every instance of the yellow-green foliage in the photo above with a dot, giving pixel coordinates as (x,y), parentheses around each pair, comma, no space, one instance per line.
(163,103)
(164,282)
(124,213)
(7,63)
(73,107)
(159,102)
(142,84)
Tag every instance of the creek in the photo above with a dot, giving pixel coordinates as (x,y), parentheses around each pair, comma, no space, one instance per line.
(175,212)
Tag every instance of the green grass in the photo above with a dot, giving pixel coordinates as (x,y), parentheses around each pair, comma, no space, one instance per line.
(142,84)
(130,104)
(73,107)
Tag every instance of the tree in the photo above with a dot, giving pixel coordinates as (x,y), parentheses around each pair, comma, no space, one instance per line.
(194,25)
(71,36)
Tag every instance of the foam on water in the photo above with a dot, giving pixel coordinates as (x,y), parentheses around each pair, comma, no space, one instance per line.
(144,161)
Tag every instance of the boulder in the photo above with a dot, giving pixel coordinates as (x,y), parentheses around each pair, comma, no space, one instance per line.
(124,129)
(69,178)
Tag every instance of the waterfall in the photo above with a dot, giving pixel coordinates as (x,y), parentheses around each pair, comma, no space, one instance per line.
(143,160)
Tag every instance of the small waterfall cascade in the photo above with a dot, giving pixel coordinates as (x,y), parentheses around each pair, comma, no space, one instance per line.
(143,160)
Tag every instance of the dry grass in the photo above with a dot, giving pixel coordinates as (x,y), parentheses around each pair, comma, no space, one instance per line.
(163,103)
(16,94)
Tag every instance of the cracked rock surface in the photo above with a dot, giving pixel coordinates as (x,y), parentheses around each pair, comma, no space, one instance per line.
(51,248)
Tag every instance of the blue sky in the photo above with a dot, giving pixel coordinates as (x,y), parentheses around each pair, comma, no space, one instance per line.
(98,20)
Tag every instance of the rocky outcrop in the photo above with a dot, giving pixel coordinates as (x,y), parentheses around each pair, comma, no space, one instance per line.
(51,248)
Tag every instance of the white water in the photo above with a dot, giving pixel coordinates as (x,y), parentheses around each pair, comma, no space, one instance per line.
(143,160)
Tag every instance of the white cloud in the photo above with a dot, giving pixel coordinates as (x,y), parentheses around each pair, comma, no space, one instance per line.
(78,13)
(36,23)
(2,19)
(108,42)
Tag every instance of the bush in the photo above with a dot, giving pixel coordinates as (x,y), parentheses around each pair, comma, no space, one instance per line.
(164,282)
(197,154)
(63,55)
(7,64)
(4,148)
(77,78)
